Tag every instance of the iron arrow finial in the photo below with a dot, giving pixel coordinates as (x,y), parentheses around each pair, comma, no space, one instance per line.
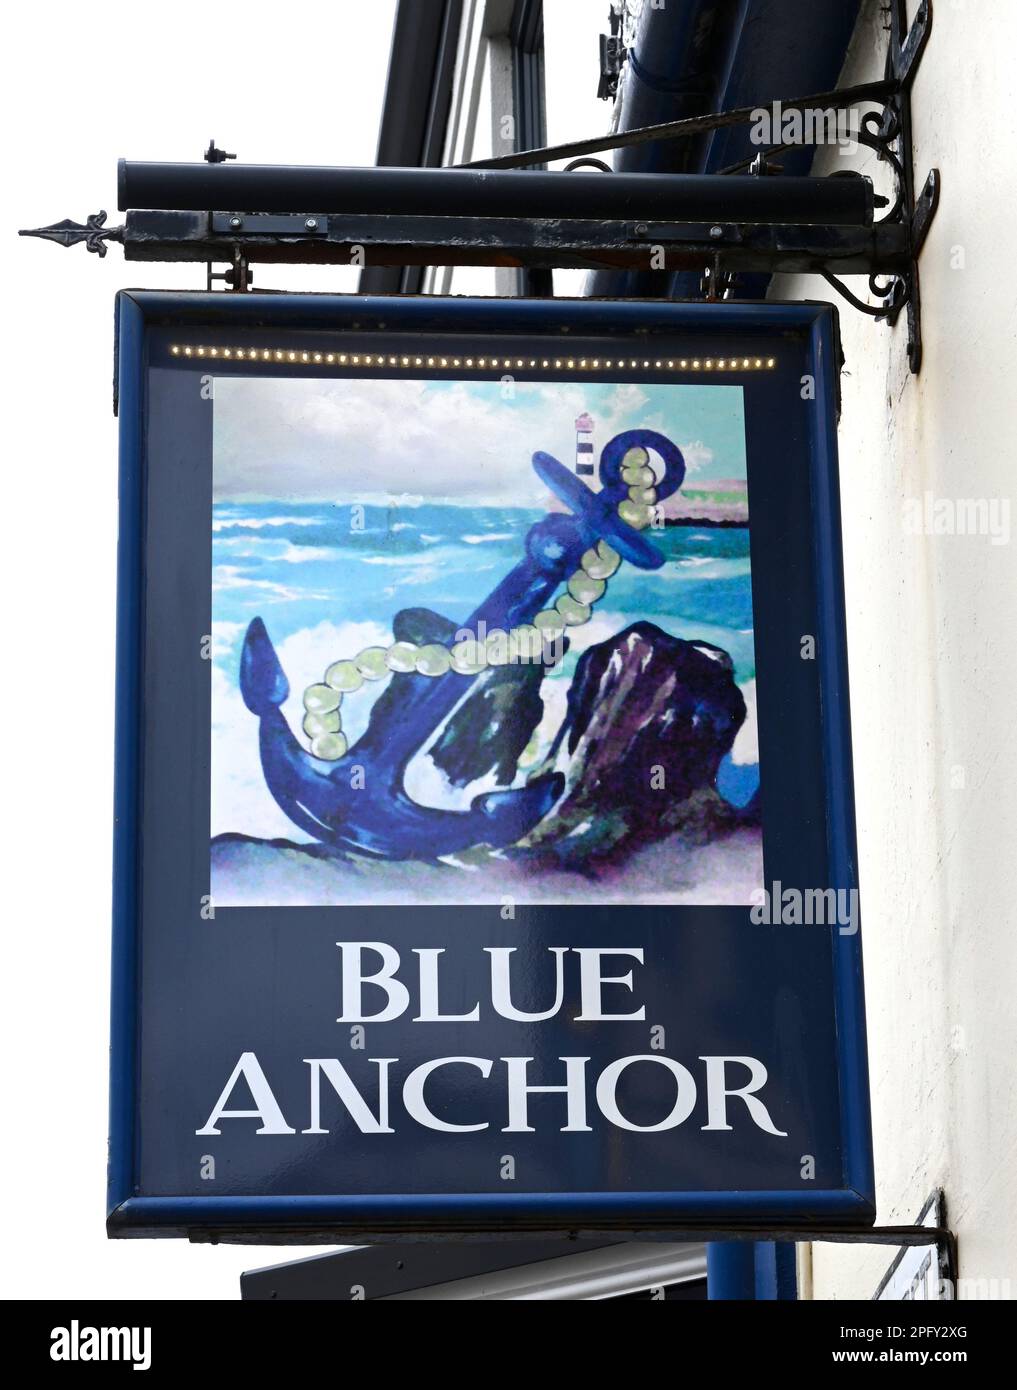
(67,233)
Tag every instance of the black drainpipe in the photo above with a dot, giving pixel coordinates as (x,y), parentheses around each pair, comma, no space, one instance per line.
(675,70)
(418,98)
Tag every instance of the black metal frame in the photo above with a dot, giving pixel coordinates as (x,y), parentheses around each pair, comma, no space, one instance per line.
(719,224)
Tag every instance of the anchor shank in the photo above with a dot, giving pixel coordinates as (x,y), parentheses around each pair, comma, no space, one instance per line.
(359,801)
(428,701)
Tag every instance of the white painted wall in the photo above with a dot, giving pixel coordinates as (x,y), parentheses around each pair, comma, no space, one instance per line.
(932,624)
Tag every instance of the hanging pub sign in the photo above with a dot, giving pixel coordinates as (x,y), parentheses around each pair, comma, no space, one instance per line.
(484,833)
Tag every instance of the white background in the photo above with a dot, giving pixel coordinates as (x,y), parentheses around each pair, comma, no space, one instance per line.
(84,86)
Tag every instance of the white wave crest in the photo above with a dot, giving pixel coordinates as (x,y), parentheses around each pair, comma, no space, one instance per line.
(259,522)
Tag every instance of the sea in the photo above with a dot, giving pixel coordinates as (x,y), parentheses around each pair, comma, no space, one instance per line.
(297,564)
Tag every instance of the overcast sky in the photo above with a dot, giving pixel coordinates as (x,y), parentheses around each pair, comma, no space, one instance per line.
(469,442)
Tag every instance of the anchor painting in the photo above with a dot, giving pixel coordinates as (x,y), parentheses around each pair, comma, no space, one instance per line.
(584,733)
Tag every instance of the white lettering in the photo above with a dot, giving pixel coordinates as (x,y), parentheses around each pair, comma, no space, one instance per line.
(591,979)
(574,1090)
(501,988)
(717,1091)
(354,979)
(607,1099)
(267,1107)
(430,1011)
(339,1080)
(413,1093)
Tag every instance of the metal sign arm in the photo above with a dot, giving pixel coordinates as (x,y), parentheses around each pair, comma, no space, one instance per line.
(499,213)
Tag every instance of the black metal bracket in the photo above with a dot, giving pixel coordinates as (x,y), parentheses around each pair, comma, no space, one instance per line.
(889,133)
(892,139)
(395,1266)
(238,277)
(904,1236)
(612,58)
(479,224)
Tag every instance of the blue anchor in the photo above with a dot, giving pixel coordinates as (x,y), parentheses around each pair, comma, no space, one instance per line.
(359,802)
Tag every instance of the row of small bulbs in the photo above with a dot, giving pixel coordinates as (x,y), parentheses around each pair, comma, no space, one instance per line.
(342,359)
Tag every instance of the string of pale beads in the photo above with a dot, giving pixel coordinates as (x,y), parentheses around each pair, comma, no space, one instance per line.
(322,720)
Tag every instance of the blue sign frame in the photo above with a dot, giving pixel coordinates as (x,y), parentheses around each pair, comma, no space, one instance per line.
(793,418)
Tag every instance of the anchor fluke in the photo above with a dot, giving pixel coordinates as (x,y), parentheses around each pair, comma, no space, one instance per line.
(518,811)
(263,682)
(370,813)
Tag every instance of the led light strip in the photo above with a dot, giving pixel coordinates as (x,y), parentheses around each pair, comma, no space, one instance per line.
(289,356)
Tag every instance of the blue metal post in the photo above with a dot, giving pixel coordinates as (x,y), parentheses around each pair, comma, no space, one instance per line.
(775,1270)
(756,1270)
(731,1269)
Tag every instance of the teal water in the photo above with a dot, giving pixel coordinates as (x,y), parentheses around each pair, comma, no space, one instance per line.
(298,565)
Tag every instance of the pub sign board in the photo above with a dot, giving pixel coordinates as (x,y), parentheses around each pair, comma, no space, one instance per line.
(484,834)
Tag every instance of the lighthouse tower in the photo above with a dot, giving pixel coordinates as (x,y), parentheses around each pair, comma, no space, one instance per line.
(584,445)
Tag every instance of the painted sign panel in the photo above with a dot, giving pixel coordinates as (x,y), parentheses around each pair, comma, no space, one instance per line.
(484,846)
(595,700)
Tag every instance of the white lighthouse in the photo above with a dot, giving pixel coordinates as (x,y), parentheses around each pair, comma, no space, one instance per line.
(584,445)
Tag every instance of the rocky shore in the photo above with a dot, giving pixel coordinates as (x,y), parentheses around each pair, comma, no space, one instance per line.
(650,719)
